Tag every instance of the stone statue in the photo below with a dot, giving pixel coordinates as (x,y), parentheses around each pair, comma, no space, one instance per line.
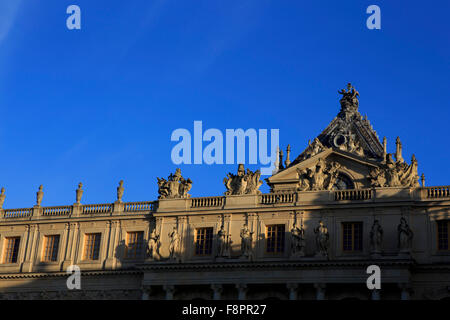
(376,237)
(395,174)
(2,197)
(174,187)
(79,193)
(322,239)
(246,242)
(243,182)
(174,243)
(321,177)
(120,190)
(39,196)
(223,243)
(405,236)
(298,241)
(153,245)
(349,101)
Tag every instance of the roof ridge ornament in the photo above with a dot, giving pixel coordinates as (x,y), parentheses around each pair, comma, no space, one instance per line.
(349,101)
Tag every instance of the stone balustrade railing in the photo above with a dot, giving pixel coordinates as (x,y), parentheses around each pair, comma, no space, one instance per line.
(97,208)
(206,202)
(273,198)
(438,192)
(57,211)
(17,213)
(140,206)
(356,194)
(232,202)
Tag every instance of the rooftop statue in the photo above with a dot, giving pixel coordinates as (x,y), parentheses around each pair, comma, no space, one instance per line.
(79,193)
(395,174)
(349,101)
(243,182)
(39,195)
(174,187)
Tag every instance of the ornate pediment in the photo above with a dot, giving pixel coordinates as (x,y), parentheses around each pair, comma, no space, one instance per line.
(348,131)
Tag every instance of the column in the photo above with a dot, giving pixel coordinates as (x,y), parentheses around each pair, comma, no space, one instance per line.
(217,291)
(293,290)
(320,291)
(170,290)
(242,291)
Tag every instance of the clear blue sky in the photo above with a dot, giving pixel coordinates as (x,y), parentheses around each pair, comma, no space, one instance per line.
(99,104)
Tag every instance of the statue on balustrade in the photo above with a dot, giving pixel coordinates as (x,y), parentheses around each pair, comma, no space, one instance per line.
(174,244)
(322,239)
(376,237)
(246,243)
(2,197)
(243,182)
(39,196)
(174,187)
(79,193)
(120,190)
(298,241)
(395,174)
(320,177)
(153,245)
(223,243)
(405,236)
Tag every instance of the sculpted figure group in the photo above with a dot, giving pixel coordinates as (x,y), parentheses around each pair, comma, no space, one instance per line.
(395,174)
(321,177)
(243,182)
(174,187)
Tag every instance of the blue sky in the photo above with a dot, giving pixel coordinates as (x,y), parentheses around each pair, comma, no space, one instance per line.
(99,104)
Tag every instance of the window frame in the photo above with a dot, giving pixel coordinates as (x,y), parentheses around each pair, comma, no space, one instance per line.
(447,223)
(205,242)
(353,239)
(53,251)
(140,244)
(85,248)
(276,238)
(6,248)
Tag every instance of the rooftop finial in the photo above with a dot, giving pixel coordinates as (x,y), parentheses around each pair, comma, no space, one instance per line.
(349,101)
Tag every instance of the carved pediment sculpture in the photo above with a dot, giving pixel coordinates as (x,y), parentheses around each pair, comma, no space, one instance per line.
(174,187)
(243,182)
(320,177)
(395,174)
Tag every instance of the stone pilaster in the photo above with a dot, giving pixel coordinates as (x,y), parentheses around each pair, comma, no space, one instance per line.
(320,291)
(170,291)
(293,290)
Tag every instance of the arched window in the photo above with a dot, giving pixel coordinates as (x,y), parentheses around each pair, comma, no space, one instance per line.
(343,182)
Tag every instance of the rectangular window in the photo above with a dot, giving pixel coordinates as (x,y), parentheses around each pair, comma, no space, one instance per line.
(352,236)
(275,238)
(442,233)
(51,246)
(11,249)
(203,241)
(91,246)
(135,241)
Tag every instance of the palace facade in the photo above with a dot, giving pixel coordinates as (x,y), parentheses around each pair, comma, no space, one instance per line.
(340,206)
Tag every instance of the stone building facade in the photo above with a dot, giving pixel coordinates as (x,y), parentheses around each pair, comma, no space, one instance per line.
(342,205)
